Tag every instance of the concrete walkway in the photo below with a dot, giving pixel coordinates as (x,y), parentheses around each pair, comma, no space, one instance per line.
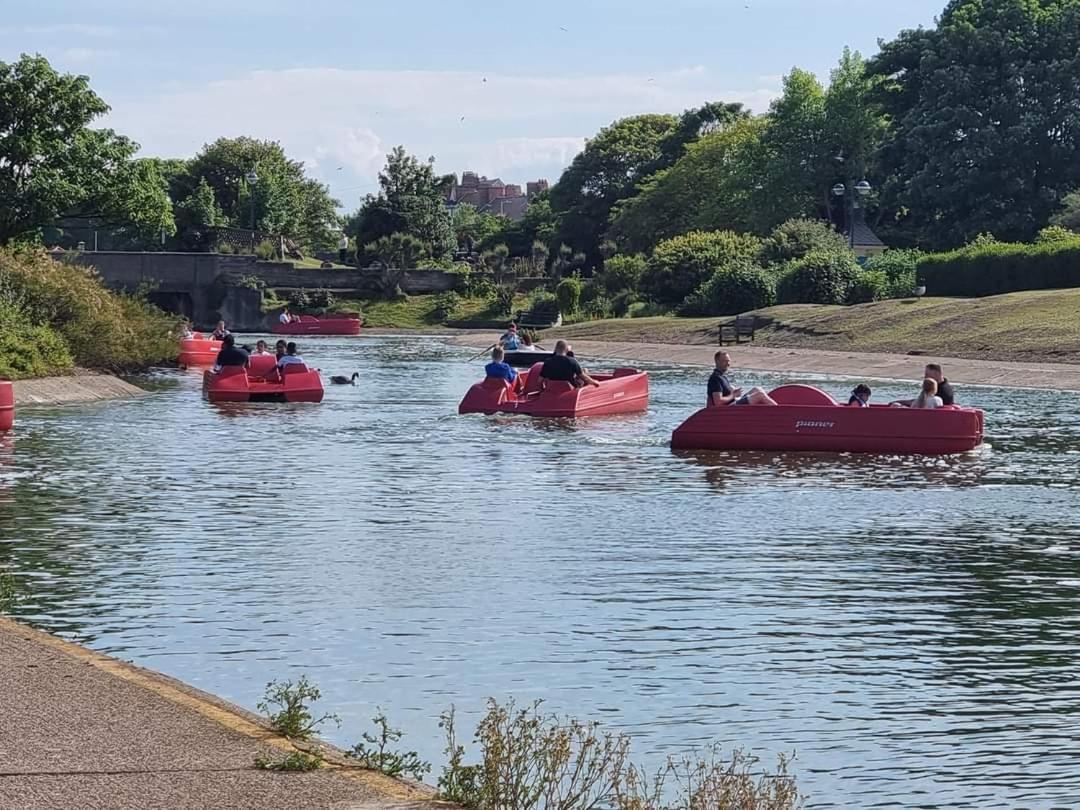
(863,365)
(80,729)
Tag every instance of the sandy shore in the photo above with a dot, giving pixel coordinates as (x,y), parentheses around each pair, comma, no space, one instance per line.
(1016,374)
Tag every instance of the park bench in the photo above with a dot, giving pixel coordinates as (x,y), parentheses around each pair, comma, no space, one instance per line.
(736,330)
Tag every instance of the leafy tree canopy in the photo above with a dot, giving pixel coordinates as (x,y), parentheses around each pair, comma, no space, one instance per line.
(52,163)
(986,128)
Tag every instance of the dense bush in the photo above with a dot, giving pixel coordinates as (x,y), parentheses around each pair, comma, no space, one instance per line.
(869,285)
(620,273)
(899,267)
(446,305)
(1055,233)
(796,238)
(29,350)
(101,329)
(739,288)
(568,294)
(265,250)
(821,277)
(598,308)
(995,268)
(679,266)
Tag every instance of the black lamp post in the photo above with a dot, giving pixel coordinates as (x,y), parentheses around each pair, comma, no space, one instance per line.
(851,196)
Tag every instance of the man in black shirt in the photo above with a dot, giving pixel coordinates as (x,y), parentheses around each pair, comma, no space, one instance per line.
(561,368)
(944,387)
(721,392)
(231,354)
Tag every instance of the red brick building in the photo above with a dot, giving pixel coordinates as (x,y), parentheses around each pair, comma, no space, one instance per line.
(495,196)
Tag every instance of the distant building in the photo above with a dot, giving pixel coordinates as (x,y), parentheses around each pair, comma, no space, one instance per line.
(494,196)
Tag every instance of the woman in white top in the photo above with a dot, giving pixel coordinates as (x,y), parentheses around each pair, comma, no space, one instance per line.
(928,397)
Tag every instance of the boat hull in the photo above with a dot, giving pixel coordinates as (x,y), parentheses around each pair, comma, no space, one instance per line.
(310,325)
(235,384)
(624,391)
(830,427)
(198,351)
(7,406)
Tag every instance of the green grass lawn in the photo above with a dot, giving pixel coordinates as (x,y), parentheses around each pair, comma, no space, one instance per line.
(418,312)
(1032,325)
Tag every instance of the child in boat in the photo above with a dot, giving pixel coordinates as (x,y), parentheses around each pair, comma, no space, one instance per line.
(860,397)
(261,348)
(928,397)
(185,331)
(498,367)
(527,344)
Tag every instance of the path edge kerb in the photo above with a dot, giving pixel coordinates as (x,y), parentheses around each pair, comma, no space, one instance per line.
(229,715)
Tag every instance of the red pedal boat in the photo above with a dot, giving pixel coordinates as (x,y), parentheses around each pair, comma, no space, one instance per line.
(310,325)
(7,406)
(624,391)
(262,382)
(807,418)
(198,351)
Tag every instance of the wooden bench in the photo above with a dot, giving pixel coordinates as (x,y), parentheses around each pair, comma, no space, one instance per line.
(736,330)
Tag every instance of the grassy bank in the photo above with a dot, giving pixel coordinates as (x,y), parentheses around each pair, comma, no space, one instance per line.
(1033,325)
(55,316)
(423,312)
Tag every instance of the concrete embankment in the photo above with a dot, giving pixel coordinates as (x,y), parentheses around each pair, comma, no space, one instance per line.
(81,387)
(81,729)
(863,365)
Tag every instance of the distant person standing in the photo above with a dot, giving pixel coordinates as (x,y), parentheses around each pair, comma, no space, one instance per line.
(343,248)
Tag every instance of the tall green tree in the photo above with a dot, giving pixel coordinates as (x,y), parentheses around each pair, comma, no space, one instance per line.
(985,122)
(52,163)
(411,200)
(284,200)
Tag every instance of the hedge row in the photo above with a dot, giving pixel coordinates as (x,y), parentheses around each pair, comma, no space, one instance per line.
(992,269)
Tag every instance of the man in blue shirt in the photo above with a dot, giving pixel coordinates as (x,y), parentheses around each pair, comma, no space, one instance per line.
(498,368)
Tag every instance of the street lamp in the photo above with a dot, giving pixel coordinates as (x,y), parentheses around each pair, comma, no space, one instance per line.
(851,195)
(252,178)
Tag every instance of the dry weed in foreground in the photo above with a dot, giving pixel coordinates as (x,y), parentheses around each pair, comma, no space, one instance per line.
(531,761)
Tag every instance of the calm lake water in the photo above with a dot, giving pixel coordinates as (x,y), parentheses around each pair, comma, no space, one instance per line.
(909,627)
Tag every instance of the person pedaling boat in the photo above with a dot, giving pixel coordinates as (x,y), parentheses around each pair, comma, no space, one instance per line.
(231,354)
(562,367)
(290,357)
(944,390)
(220,331)
(721,392)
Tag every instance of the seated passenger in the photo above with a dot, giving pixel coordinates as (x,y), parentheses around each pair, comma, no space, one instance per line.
(944,387)
(185,331)
(261,348)
(220,331)
(290,358)
(721,392)
(563,368)
(230,354)
(928,397)
(860,397)
(498,368)
(509,339)
(527,344)
(285,317)
(279,349)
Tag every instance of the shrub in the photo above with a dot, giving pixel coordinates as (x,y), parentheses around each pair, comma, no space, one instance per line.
(28,350)
(995,268)
(265,250)
(287,705)
(621,303)
(502,301)
(299,299)
(598,308)
(321,299)
(1055,233)
(376,752)
(796,238)
(544,307)
(869,285)
(620,273)
(738,288)
(899,267)
(398,250)
(101,329)
(679,266)
(296,762)
(225,248)
(820,277)
(568,294)
(445,305)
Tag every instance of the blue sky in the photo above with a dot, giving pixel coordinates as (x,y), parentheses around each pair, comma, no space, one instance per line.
(507,88)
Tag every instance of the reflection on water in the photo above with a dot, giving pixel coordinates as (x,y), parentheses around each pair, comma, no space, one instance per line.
(909,626)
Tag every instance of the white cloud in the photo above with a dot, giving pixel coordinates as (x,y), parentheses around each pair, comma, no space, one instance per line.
(520,127)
